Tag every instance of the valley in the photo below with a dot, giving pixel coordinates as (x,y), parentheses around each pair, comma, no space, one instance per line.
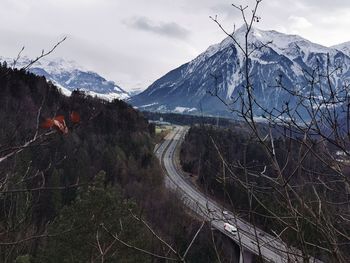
(174,131)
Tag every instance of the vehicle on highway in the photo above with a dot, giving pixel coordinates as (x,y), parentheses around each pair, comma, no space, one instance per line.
(230,228)
(227,215)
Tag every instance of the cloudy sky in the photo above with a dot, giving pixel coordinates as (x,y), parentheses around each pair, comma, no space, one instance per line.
(134,42)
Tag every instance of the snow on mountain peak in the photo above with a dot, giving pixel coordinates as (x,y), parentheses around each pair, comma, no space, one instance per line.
(218,71)
(69,76)
(55,66)
(343,47)
(285,44)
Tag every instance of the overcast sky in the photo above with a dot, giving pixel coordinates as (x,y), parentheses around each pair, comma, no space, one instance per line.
(134,42)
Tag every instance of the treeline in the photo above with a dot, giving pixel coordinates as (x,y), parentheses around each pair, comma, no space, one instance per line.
(232,166)
(186,119)
(77,197)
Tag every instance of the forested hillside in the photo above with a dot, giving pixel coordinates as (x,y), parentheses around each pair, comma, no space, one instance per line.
(233,167)
(79,195)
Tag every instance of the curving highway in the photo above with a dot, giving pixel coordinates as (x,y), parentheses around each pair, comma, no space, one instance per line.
(248,237)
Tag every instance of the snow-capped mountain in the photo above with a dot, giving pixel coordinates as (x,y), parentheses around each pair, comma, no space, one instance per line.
(287,57)
(344,47)
(69,76)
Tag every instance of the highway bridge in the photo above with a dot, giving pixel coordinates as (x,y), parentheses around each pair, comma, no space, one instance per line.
(250,239)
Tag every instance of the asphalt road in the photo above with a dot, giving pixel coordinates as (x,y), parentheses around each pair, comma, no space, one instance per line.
(250,238)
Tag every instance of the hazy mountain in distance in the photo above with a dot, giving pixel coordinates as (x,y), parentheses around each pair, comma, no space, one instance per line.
(69,76)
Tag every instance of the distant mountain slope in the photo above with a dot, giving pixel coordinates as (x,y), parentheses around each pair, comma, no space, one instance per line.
(69,76)
(187,86)
(344,47)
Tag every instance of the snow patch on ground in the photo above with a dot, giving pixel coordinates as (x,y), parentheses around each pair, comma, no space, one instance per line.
(162,108)
(148,105)
(184,109)
(63,90)
(108,96)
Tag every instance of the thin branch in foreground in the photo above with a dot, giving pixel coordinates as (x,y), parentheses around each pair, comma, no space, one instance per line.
(115,236)
(194,238)
(43,54)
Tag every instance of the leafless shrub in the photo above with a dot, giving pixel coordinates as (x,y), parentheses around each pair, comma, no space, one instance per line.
(312,182)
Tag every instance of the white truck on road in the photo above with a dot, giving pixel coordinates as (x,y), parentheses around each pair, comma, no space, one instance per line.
(230,228)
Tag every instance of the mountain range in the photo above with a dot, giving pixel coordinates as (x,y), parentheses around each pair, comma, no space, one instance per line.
(69,76)
(218,70)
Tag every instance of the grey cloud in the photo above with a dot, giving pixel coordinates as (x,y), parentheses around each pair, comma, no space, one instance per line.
(222,8)
(312,6)
(122,57)
(170,29)
(334,4)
